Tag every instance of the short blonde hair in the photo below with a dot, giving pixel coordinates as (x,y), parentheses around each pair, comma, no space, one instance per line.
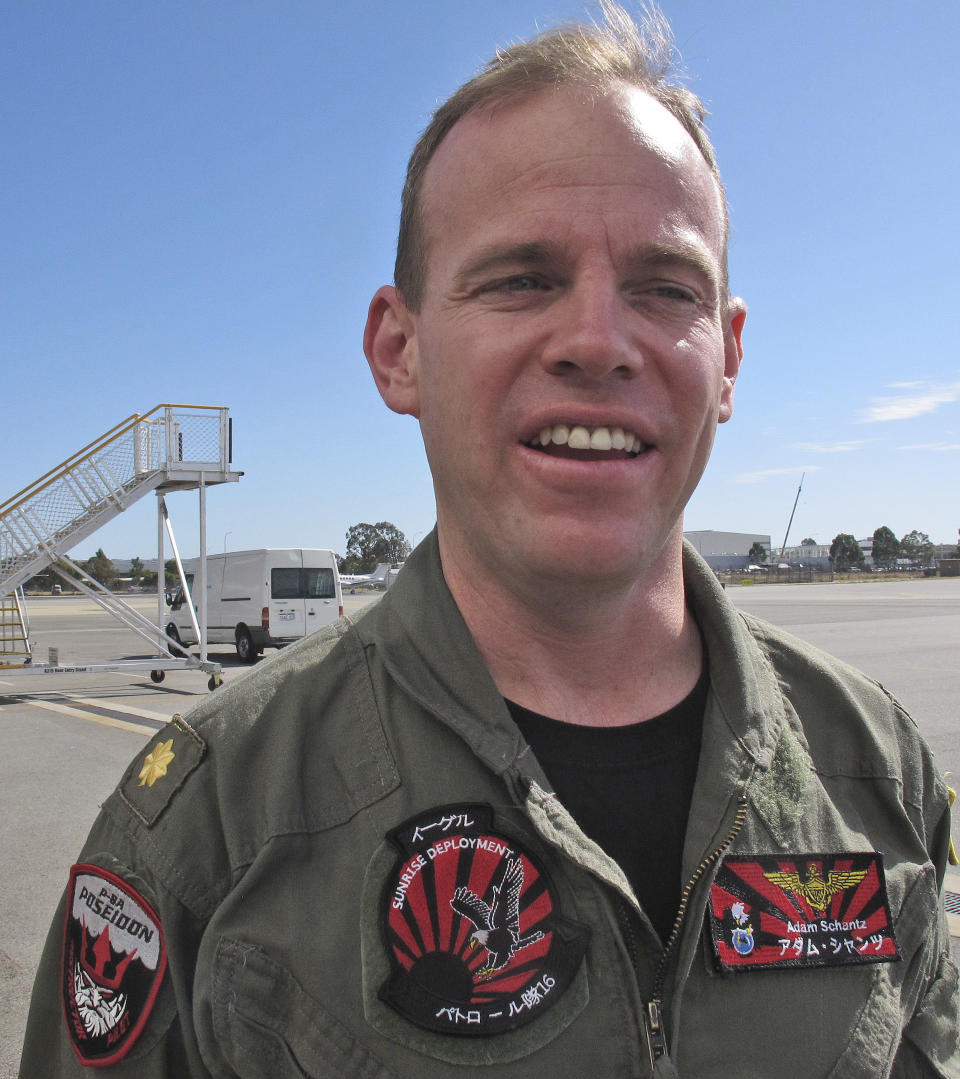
(595,56)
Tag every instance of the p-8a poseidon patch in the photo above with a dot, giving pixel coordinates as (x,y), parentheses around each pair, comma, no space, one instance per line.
(476,942)
(801,910)
(113,963)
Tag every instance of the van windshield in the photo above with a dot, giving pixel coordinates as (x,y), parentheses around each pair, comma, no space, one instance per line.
(178,596)
(302,584)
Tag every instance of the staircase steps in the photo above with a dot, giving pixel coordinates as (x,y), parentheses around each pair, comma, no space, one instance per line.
(14,638)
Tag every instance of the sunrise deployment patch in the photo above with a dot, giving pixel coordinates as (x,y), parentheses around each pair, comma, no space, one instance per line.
(472,927)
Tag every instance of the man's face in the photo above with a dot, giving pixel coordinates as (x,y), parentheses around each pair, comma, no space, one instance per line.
(573,291)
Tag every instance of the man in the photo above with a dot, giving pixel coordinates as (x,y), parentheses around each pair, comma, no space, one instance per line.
(553,807)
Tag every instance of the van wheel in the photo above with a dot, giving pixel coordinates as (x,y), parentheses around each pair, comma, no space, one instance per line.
(245,648)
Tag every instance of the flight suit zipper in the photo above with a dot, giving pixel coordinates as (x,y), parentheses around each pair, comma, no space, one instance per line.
(653,1010)
(653,1013)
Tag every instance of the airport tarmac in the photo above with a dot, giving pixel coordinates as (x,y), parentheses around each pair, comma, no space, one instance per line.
(67,738)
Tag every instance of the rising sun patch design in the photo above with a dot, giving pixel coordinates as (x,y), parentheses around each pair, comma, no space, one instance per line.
(472,927)
(155,764)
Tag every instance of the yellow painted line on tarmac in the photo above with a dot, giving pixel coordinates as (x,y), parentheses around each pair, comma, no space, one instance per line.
(160,717)
(39,610)
(91,717)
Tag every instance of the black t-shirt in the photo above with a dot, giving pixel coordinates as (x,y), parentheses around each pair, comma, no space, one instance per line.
(629,788)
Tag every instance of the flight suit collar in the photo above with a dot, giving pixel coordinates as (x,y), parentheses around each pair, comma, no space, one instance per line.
(745,713)
(424,643)
(427,648)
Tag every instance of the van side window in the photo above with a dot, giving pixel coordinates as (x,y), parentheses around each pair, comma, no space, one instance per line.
(285,584)
(318,584)
(302,584)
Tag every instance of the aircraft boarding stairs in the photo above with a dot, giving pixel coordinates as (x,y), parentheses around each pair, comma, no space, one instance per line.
(170,448)
(14,631)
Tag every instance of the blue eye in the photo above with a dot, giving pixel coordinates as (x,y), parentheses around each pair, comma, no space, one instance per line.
(522,283)
(675,292)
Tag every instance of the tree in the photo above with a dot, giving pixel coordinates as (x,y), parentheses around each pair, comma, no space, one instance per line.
(40,582)
(100,568)
(808,542)
(136,570)
(918,547)
(845,552)
(886,547)
(63,578)
(397,546)
(757,553)
(368,545)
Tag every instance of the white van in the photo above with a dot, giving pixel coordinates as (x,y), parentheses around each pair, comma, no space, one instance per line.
(261,599)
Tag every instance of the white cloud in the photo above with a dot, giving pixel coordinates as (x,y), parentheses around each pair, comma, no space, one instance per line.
(769,473)
(917,400)
(830,447)
(934,447)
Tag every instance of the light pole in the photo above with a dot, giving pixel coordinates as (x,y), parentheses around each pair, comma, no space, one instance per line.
(230,533)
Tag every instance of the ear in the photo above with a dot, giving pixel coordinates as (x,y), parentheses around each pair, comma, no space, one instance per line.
(390,345)
(736,315)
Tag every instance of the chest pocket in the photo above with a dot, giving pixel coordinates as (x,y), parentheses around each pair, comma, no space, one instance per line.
(895,988)
(495,1048)
(267,1027)
(832,1022)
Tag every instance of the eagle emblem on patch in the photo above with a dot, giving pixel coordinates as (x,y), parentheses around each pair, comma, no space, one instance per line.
(801,910)
(476,941)
(114,959)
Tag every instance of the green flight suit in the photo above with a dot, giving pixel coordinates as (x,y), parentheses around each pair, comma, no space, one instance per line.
(330,842)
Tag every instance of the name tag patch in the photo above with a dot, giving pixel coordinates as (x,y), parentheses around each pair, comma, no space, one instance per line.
(476,942)
(801,910)
(114,958)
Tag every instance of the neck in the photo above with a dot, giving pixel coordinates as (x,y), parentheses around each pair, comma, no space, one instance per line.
(588,652)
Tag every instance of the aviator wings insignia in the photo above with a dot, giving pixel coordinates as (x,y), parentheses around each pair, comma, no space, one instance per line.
(815,890)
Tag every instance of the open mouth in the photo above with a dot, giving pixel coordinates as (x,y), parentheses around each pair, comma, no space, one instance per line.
(577,442)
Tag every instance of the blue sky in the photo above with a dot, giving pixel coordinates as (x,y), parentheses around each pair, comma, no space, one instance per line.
(198,199)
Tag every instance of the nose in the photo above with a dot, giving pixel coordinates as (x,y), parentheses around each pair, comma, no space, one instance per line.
(590,336)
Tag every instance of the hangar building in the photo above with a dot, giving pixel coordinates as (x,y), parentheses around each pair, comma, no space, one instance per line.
(726,550)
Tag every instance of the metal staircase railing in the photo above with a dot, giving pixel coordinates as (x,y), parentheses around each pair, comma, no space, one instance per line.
(170,448)
(166,448)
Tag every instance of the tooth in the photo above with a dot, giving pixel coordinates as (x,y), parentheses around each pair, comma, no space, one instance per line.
(579,438)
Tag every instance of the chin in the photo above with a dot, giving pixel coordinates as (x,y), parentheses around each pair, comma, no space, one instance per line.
(587,555)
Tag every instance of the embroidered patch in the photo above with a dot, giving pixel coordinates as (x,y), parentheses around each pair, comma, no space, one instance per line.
(476,942)
(801,910)
(113,963)
(153,779)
